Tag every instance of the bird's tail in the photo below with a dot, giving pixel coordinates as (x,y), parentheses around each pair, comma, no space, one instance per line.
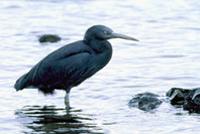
(22,82)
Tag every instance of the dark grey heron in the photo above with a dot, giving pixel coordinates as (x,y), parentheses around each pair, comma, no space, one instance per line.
(71,64)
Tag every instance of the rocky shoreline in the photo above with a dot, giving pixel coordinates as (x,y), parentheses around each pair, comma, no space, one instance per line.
(188,99)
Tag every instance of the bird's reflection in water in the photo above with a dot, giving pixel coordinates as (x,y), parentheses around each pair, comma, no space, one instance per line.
(52,120)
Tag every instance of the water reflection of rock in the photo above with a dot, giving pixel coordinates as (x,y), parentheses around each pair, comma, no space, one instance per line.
(52,120)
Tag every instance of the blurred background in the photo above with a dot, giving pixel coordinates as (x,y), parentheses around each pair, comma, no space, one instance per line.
(167,56)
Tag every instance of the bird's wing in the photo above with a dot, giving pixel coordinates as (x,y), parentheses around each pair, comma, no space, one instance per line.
(65,64)
(69,69)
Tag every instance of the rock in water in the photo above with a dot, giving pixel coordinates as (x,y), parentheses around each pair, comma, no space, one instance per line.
(189,99)
(177,95)
(145,101)
(192,101)
(49,38)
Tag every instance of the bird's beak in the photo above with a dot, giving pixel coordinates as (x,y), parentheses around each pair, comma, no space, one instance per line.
(117,35)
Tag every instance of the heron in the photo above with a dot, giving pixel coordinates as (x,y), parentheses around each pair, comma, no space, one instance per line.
(70,65)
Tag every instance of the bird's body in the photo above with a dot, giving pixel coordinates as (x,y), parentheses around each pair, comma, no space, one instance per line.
(66,67)
(71,64)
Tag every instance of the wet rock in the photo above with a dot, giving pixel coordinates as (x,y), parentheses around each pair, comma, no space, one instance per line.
(192,101)
(52,38)
(145,101)
(189,99)
(177,95)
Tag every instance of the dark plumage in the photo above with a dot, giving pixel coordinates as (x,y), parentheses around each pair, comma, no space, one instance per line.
(70,65)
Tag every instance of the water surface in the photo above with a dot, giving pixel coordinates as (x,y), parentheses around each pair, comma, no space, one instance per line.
(166,56)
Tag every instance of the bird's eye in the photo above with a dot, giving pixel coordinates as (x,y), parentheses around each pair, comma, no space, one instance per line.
(105,32)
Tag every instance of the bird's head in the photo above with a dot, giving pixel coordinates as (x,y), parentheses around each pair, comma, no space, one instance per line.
(101,32)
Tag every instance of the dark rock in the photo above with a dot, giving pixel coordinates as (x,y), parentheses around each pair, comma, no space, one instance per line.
(192,101)
(189,99)
(177,95)
(145,101)
(49,38)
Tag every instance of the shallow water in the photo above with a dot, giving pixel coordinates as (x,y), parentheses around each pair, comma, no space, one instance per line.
(166,56)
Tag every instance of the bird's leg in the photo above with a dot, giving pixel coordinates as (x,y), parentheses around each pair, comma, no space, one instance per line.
(67,105)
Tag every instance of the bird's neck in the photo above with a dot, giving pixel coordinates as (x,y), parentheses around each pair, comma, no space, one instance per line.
(102,50)
(100,46)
